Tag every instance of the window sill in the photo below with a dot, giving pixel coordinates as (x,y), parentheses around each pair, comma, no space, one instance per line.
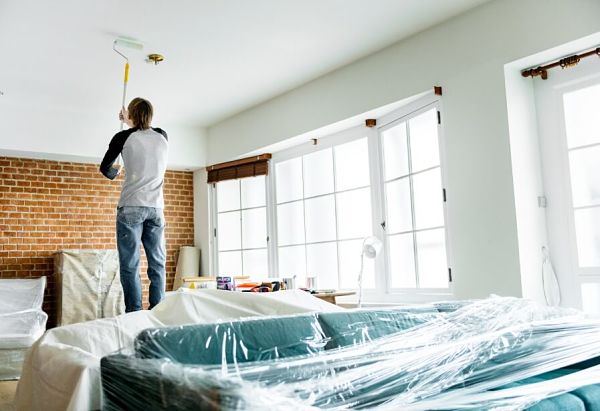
(397,298)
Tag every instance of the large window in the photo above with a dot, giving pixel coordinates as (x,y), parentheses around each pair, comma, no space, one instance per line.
(569,139)
(414,208)
(323,213)
(310,215)
(241,227)
(583,150)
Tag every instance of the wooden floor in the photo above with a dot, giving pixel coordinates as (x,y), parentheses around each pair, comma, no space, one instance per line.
(7,395)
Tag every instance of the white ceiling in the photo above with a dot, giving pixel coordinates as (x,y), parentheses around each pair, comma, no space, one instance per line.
(222,56)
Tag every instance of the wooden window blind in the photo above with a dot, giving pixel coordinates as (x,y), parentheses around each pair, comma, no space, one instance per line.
(245,167)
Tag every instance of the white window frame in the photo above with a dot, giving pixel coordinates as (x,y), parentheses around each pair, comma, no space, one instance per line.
(400,115)
(330,141)
(591,274)
(214,228)
(560,215)
(383,293)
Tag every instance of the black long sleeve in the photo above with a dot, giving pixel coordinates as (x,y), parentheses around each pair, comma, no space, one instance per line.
(114,149)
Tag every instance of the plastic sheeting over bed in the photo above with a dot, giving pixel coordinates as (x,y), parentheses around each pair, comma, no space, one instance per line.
(62,370)
(481,356)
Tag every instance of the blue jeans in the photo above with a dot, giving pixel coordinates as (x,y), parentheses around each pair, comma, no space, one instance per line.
(145,225)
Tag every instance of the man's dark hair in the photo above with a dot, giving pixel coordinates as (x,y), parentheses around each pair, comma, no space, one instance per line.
(140,112)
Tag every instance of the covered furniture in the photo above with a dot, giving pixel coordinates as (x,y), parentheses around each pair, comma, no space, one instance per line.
(89,285)
(486,355)
(22,322)
(62,370)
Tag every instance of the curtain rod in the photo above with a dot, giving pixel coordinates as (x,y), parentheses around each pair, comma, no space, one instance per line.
(565,62)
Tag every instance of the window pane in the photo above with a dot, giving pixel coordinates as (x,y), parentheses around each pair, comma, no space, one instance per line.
(397,195)
(350,252)
(402,261)
(433,266)
(318,173)
(229,231)
(290,223)
(292,262)
(590,296)
(228,195)
(581,116)
(585,178)
(587,228)
(428,199)
(322,263)
(254,228)
(320,219)
(424,147)
(395,152)
(230,263)
(352,165)
(253,192)
(256,264)
(354,214)
(289,180)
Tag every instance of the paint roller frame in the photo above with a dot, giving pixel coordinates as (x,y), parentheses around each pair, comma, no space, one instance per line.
(129,43)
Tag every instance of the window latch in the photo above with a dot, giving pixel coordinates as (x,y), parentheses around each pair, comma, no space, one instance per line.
(383,225)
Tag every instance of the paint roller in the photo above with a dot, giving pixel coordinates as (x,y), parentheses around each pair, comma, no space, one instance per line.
(130,44)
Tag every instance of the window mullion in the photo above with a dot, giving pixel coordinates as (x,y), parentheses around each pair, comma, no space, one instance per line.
(213,242)
(271,210)
(304,220)
(335,207)
(382,272)
(241,229)
(412,204)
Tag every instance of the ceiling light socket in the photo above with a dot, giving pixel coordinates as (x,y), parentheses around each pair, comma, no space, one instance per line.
(155,58)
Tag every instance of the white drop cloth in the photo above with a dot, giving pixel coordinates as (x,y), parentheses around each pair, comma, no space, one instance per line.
(62,369)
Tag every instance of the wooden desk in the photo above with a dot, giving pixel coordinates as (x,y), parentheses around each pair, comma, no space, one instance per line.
(330,297)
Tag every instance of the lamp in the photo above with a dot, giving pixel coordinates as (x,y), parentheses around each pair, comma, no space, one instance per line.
(371,247)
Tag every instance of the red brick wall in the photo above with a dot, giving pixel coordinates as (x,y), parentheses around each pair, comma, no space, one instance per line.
(47,206)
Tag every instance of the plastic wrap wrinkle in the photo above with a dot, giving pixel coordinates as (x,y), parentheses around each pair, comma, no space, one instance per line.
(464,359)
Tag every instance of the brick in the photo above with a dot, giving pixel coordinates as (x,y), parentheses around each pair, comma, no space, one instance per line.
(46,206)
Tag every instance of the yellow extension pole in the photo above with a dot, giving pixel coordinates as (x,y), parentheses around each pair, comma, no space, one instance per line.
(132,44)
(125,80)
